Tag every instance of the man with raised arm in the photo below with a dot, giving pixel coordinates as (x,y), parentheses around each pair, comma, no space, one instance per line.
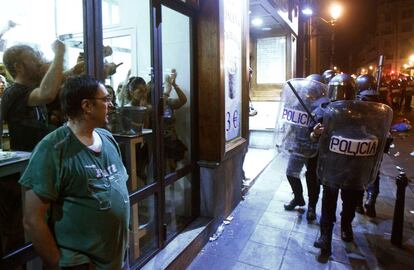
(35,84)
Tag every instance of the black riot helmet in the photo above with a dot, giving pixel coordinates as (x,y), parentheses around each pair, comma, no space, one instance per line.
(315,77)
(365,82)
(327,75)
(341,87)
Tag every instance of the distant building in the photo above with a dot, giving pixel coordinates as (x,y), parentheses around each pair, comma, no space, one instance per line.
(394,38)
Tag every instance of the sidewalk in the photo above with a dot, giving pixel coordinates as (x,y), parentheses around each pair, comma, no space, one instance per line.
(264,236)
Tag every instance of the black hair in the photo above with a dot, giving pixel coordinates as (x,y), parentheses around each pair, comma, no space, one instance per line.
(76,89)
(111,91)
(13,55)
(134,82)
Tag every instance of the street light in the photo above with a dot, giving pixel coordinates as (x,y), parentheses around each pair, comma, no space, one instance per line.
(307,14)
(336,11)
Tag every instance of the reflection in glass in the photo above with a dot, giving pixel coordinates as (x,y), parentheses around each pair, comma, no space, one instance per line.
(178,205)
(176,55)
(143,238)
(127,36)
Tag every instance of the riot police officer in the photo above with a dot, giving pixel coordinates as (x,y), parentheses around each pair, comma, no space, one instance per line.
(365,85)
(315,77)
(292,137)
(327,75)
(347,156)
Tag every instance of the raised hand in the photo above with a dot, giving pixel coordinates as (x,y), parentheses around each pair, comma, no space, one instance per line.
(58,47)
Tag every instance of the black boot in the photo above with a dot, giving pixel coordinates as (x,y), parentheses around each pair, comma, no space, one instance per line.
(324,242)
(370,205)
(360,209)
(314,188)
(311,214)
(347,235)
(297,200)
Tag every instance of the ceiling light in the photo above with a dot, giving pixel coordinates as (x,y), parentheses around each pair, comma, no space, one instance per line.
(257,21)
(266,28)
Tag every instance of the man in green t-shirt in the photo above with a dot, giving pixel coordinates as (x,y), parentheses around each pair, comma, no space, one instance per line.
(76,209)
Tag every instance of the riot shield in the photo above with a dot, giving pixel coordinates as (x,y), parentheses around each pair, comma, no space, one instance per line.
(293,124)
(352,144)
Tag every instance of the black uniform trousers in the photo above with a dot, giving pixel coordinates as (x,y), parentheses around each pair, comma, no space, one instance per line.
(374,188)
(350,200)
(312,181)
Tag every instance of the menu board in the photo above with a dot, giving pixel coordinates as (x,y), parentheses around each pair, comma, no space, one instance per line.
(233,26)
(271,60)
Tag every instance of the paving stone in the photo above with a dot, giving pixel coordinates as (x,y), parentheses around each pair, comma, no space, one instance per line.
(270,236)
(277,221)
(301,261)
(219,263)
(302,242)
(263,256)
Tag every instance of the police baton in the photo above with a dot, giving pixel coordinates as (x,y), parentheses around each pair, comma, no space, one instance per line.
(302,103)
(379,72)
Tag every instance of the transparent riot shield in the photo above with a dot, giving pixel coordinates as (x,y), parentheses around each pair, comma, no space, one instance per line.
(293,123)
(352,144)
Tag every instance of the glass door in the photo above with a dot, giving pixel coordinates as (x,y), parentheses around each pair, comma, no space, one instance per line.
(148,64)
(177,114)
(128,53)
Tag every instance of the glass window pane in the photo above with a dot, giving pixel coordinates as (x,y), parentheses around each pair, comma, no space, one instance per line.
(128,67)
(143,237)
(178,205)
(177,70)
(27,31)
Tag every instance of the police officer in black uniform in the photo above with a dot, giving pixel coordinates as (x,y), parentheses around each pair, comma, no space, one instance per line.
(295,165)
(350,150)
(327,75)
(341,87)
(366,86)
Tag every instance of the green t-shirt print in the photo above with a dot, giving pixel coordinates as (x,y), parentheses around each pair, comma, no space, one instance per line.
(90,211)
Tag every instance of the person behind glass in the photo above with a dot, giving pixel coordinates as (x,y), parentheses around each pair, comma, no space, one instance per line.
(174,148)
(137,92)
(76,209)
(23,103)
(341,87)
(112,94)
(3,85)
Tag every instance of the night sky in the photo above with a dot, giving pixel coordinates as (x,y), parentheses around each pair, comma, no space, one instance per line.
(354,26)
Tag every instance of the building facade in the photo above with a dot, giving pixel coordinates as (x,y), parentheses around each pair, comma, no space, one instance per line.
(394,38)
